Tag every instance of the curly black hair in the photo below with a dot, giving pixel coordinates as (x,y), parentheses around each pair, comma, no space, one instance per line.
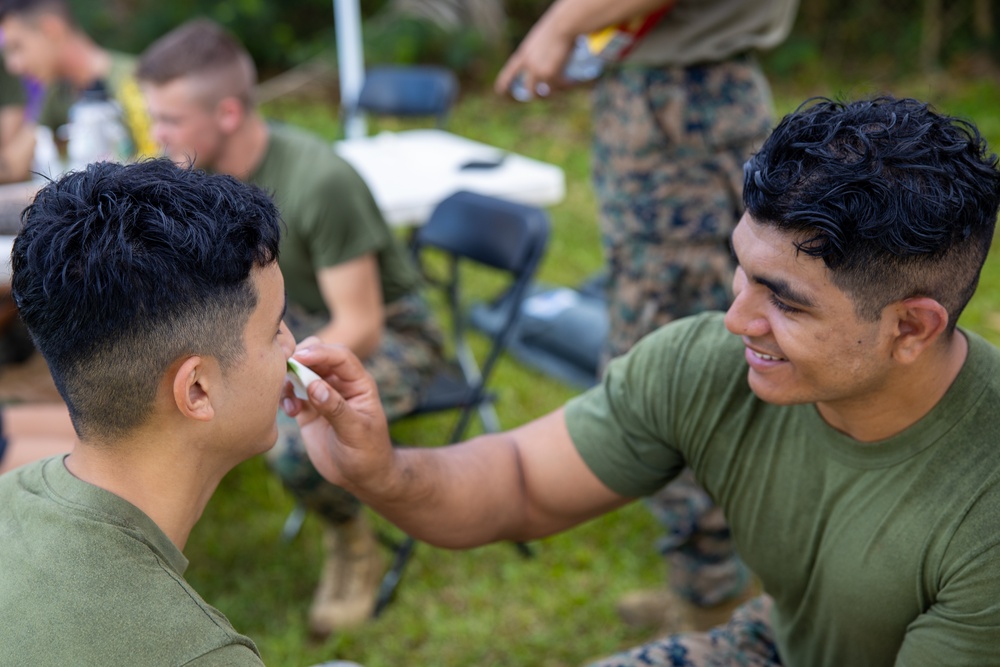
(897,199)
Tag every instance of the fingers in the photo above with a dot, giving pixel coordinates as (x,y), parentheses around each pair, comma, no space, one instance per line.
(307,342)
(508,72)
(326,360)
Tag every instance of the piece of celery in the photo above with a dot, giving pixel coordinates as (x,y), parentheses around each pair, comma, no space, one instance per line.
(301,377)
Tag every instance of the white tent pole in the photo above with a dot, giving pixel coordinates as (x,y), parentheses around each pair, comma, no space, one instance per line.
(351,62)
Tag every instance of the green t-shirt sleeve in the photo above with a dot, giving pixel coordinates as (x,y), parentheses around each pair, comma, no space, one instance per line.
(345,222)
(629,429)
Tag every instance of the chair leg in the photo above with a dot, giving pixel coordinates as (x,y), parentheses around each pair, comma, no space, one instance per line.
(293,524)
(488,416)
(387,591)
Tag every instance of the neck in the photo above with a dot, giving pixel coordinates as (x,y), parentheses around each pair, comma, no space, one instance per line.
(84,62)
(903,400)
(244,149)
(171,482)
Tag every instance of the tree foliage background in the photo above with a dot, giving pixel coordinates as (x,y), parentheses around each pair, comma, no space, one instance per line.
(897,37)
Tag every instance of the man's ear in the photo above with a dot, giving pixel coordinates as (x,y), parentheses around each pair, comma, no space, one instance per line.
(230,114)
(190,386)
(921,321)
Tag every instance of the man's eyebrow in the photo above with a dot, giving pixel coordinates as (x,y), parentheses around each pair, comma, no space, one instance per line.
(778,286)
(784,291)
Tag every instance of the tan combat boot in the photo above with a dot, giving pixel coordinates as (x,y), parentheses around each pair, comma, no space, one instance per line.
(666,613)
(348,586)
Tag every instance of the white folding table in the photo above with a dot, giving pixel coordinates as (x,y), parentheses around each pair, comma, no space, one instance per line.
(410,172)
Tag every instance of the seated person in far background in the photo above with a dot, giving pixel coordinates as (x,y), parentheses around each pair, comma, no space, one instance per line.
(348,278)
(43,40)
(172,378)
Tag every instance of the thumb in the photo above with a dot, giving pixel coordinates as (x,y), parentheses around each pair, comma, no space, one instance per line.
(325,400)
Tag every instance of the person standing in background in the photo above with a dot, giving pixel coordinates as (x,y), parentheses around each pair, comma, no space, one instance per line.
(673,123)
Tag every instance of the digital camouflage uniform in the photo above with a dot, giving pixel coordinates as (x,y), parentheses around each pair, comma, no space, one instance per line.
(747,640)
(668,151)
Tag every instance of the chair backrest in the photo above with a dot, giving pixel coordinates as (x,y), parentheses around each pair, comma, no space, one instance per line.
(492,232)
(408,91)
(496,232)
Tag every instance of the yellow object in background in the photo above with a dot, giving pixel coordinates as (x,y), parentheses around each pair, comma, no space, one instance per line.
(615,41)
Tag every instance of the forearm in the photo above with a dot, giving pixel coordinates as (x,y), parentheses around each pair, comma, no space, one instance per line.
(361,335)
(519,485)
(457,497)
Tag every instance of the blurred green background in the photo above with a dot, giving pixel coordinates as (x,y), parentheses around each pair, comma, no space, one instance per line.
(489,606)
(851,37)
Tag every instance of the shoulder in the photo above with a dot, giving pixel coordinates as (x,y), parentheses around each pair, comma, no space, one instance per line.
(304,159)
(699,344)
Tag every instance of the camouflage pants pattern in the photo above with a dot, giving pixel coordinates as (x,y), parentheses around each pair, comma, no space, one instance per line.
(747,640)
(668,153)
(704,567)
(409,354)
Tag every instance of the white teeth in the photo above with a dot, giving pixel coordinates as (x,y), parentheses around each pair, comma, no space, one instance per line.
(766,357)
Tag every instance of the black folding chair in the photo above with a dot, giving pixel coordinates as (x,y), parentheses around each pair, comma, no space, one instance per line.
(471,229)
(407,91)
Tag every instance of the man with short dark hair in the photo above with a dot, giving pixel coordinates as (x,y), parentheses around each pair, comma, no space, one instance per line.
(43,40)
(845,424)
(348,278)
(155,296)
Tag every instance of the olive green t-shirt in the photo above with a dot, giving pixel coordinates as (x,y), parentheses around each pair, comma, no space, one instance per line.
(330,218)
(876,554)
(707,31)
(86,578)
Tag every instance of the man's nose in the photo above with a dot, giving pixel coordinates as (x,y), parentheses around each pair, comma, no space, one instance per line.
(745,317)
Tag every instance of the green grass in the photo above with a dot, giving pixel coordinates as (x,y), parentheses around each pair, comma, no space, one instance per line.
(489,606)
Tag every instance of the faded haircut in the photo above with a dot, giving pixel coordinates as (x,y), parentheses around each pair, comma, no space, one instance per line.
(898,200)
(207,54)
(120,270)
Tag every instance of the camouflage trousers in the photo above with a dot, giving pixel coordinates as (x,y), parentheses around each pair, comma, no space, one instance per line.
(747,640)
(409,354)
(668,152)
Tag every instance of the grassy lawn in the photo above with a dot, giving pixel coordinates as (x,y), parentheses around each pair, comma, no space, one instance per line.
(489,606)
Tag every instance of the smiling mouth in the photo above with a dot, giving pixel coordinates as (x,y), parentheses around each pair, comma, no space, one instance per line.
(766,357)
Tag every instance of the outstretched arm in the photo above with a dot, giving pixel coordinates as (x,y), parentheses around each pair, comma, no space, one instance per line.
(521,484)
